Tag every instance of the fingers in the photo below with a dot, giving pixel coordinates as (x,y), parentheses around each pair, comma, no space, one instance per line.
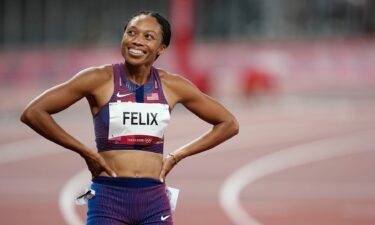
(109,171)
(97,165)
(106,168)
(167,167)
(162,175)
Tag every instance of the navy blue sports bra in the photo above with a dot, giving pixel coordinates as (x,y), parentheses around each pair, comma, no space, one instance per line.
(135,117)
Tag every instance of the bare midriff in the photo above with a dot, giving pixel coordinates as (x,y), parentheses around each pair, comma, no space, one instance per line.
(133,163)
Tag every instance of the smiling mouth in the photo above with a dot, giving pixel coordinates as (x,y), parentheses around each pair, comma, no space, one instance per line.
(135,52)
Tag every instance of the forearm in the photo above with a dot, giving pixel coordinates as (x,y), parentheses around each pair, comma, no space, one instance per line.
(217,135)
(45,125)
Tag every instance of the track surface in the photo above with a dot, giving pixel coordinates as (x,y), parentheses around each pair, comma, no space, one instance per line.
(339,189)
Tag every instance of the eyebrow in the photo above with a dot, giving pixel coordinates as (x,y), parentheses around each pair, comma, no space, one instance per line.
(138,29)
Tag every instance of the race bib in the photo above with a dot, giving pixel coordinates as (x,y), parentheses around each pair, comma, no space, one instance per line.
(172,194)
(137,123)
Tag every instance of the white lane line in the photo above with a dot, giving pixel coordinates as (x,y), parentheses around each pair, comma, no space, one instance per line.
(36,147)
(73,188)
(75,185)
(70,214)
(309,190)
(229,195)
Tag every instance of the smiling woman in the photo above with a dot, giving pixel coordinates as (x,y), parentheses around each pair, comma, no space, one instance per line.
(131,103)
(146,37)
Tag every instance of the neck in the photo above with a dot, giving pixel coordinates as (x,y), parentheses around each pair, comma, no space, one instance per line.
(137,74)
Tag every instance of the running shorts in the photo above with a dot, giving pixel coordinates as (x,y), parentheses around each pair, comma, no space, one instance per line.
(129,201)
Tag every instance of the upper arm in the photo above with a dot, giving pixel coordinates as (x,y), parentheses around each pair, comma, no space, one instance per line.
(63,95)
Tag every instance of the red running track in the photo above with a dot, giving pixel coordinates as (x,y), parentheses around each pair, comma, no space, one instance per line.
(337,190)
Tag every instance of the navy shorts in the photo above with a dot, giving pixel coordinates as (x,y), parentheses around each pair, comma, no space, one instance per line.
(129,201)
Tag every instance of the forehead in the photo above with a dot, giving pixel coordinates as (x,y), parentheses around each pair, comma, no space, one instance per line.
(146,23)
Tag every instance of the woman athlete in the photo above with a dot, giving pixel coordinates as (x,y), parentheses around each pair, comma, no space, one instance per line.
(131,104)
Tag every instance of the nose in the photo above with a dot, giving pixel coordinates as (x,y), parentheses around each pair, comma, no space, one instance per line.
(138,41)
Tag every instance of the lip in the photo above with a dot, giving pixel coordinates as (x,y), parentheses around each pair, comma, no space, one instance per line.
(136,52)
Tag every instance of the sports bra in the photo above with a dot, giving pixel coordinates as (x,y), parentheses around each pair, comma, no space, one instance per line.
(135,117)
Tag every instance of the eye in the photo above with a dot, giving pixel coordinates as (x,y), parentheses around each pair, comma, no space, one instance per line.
(150,37)
(130,33)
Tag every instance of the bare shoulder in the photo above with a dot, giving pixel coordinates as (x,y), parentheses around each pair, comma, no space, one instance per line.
(174,81)
(93,77)
(181,88)
(100,73)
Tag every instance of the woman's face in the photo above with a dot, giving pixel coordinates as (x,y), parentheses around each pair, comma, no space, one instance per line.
(142,41)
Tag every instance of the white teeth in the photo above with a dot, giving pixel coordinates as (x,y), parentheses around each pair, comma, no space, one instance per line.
(135,51)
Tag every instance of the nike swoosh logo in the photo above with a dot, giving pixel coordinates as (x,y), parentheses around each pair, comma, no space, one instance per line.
(120,95)
(165,217)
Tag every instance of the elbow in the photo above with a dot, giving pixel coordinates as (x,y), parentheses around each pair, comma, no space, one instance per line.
(27,116)
(234,126)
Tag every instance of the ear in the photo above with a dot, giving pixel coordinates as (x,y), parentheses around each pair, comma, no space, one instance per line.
(161,50)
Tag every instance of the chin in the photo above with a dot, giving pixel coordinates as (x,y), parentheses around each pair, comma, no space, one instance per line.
(134,62)
(137,62)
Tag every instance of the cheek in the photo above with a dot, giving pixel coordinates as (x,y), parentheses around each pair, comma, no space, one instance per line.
(125,39)
(123,49)
(124,43)
(156,48)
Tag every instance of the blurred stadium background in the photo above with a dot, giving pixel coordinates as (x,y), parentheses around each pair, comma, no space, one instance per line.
(306,66)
